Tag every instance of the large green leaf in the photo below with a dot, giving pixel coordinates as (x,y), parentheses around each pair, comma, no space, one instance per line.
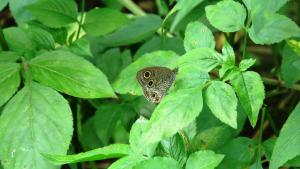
(205,58)
(9,56)
(9,80)
(19,10)
(18,40)
(137,30)
(227,15)
(205,159)
(100,21)
(54,13)
(70,74)
(257,6)
(158,162)
(289,57)
(222,102)
(126,81)
(127,162)
(108,152)
(184,8)
(197,35)
(36,120)
(176,111)
(239,153)
(250,90)
(269,28)
(287,145)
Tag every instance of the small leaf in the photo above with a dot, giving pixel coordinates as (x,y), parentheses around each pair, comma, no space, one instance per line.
(42,38)
(287,145)
(221,100)
(137,30)
(239,153)
(36,120)
(295,45)
(70,74)
(126,81)
(197,35)
(246,64)
(18,40)
(181,107)
(205,159)
(81,47)
(108,152)
(54,13)
(228,53)
(269,28)
(9,80)
(250,90)
(227,15)
(205,57)
(289,57)
(19,10)
(158,162)
(105,18)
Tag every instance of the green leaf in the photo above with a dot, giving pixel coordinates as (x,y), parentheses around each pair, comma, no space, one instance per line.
(108,152)
(19,10)
(42,38)
(106,118)
(105,18)
(287,145)
(197,35)
(137,30)
(126,81)
(184,8)
(257,6)
(222,102)
(246,64)
(175,147)
(158,162)
(228,53)
(9,80)
(180,107)
(18,40)
(127,162)
(295,45)
(205,57)
(239,153)
(136,144)
(9,56)
(89,138)
(268,147)
(161,43)
(70,74)
(289,57)
(250,90)
(205,159)
(112,62)
(54,13)
(36,120)
(227,15)
(3,3)
(269,28)
(81,47)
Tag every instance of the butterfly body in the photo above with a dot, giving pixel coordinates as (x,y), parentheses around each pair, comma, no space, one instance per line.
(156,81)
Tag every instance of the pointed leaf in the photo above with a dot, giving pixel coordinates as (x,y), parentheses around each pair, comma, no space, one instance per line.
(205,159)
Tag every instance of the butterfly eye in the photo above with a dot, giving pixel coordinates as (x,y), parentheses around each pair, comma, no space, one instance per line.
(147,74)
(150,83)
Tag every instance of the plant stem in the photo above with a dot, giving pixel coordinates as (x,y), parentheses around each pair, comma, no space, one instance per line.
(245,44)
(3,41)
(81,18)
(276,82)
(271,122)
(131,6)
(264,109)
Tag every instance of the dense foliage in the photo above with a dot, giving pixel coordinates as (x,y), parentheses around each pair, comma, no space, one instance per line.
(69,94)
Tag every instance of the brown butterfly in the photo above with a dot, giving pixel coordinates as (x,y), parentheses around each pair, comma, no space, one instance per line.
(156,81)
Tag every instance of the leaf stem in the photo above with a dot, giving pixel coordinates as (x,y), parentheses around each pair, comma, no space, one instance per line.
(3,42)
(245,44)
(271,122)
(276,82)
(131,6)
(80,23)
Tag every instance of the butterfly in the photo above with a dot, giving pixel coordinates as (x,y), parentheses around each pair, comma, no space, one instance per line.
(156,81)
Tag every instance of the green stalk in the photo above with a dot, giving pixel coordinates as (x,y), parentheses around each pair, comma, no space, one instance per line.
(271,122)
(246,34)
(131,6)
(276,82)
(3,42)
(80,23)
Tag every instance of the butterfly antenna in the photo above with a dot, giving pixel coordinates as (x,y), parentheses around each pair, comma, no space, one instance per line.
(175,70)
